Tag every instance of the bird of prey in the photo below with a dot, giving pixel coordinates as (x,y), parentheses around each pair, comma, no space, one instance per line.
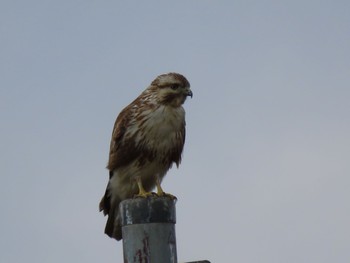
(148,137)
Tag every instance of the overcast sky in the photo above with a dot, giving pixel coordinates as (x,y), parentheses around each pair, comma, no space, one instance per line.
(265,176)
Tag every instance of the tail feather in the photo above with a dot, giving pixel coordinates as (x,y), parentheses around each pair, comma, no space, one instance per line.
(113,226)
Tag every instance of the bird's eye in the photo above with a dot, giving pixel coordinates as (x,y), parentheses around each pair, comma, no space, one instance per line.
(174,86)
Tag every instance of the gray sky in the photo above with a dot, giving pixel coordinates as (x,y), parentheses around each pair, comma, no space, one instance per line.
(265,172)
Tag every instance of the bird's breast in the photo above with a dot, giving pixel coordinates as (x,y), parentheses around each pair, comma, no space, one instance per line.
(163,127)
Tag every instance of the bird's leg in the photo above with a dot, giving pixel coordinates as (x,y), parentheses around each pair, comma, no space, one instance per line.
(142,192)
(160,191)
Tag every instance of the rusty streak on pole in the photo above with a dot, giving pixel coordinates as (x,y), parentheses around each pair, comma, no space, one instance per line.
(148,227)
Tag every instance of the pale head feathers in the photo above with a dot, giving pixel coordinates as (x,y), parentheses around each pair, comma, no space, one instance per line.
(172,89)
(170,78)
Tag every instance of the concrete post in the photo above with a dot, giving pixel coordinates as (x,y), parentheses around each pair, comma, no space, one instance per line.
(148,227)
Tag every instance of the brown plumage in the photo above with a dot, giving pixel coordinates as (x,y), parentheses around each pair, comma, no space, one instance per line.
(148,137)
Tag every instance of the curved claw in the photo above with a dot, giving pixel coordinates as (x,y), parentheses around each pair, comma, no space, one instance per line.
(163,194)
(144,194)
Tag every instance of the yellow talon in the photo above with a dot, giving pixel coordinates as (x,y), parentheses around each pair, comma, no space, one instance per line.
(161,193)
(142,192)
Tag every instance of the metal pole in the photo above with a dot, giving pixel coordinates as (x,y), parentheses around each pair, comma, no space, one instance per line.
(148,228)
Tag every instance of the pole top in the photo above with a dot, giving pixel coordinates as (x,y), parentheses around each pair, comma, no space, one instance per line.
(148,210)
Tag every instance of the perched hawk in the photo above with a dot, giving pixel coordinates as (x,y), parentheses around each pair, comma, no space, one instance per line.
(148,137)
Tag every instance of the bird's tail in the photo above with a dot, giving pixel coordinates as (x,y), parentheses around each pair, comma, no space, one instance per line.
(113,226)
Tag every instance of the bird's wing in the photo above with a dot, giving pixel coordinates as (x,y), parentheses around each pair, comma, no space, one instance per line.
(122,148)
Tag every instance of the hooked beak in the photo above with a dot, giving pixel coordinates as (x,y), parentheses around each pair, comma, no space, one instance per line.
(189,93)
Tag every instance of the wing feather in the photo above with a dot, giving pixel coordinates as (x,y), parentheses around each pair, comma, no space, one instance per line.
(122,148)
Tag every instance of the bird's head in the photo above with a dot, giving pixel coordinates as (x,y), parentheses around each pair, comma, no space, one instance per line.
(172,89)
